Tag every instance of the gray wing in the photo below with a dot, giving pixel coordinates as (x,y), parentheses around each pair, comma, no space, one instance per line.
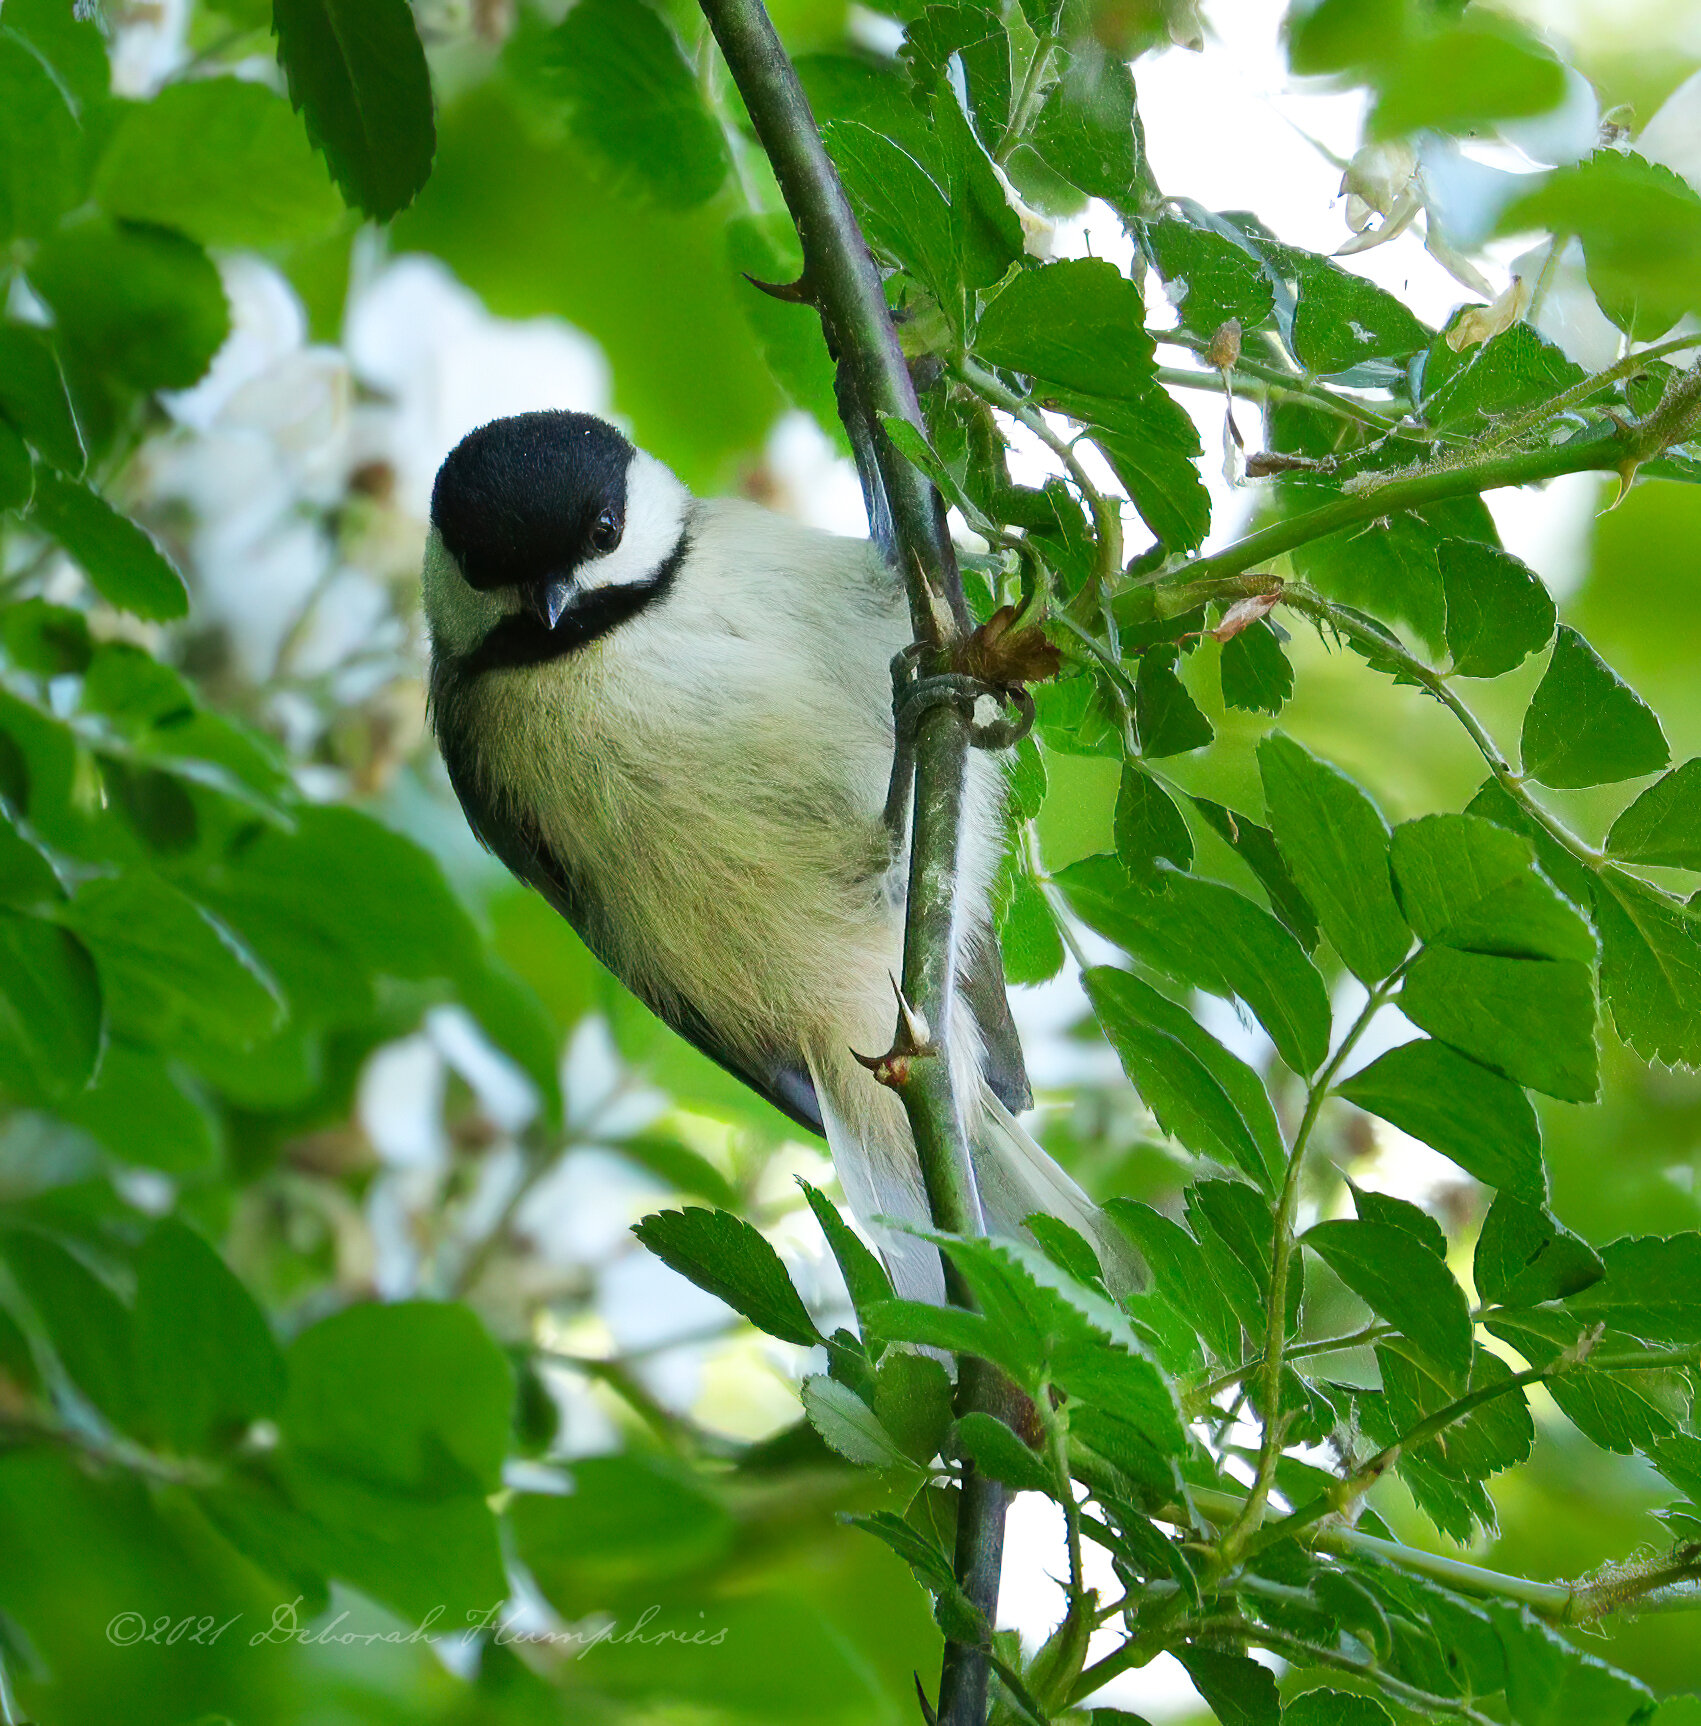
(982,986)
(784,1080)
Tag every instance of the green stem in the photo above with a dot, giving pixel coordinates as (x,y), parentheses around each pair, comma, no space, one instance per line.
(1027,99)
(1180,378)
(1201,1399)
(1276,1307)
(1106,512)
(1312,604)
(1575,394)
(1292,383)
(842,278)
(1593,451)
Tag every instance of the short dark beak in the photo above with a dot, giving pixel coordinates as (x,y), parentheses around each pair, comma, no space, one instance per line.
(546,600)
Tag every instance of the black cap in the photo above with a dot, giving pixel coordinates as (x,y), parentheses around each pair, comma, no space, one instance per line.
(529,498)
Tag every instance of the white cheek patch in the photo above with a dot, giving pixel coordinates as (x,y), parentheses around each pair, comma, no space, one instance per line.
(655,513)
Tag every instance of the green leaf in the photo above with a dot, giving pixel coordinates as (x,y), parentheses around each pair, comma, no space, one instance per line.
(1182,1274)
(1679,1459)
(912,1398)
(628,1517)
(725,1255)
(1483,1122)
(17,481)
(357,75)
(413,1396)
(203,1351)
(144,304)
(1148,825)
(1256,675)
(1405,1284)
(902,211)
(1027,931)
(1663,825)
(1078,325)
(127,569)
(50,640)
(1525,1256)
(1342,320)
(1650,968)
(40,144)
(1151,445)
(1388,567)
(1464,882)
(1047,1328)
(1621,1412)
(942,1327)
(89,1327)
(1166,717)
(1207,935)
(1454,80)
(848,1425)
(1640,225)
(141,1113)
(1237,1690)
(996,1451)
(1585,724)
(168,969)
(1208,277)
(34,398)
(958,1615)
(1255,845)
(1498,611)
(1088,132)
(865,1276)
(338,902)
(1531,1019)
(1207,1098)
(635,103)
(1377,1207)
(221,160)
(1335,841)
(74,47)
(27,880)
(50,1009)
(1495,1436)
(985,234)
(1510,373)
(1237,1216)
(1067,1248)
(1652,1288)
(1334,1708)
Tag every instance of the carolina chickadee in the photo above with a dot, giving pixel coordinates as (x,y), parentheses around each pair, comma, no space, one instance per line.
(672,718)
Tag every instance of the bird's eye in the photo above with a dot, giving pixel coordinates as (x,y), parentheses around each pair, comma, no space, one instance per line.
(605,535)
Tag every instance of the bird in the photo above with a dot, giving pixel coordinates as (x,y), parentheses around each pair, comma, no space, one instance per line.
(673,718)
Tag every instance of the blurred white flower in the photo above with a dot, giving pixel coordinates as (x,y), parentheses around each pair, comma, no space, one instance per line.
(1563,134)
(149,43)
(507,1097)
(602,1099)
(445,365)
(582,1211)
(400,1104)
(1568,312)
(1673,137)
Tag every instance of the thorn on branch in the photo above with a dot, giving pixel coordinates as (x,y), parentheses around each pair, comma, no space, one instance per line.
(927,1712)
(913,1041)
(798,293)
